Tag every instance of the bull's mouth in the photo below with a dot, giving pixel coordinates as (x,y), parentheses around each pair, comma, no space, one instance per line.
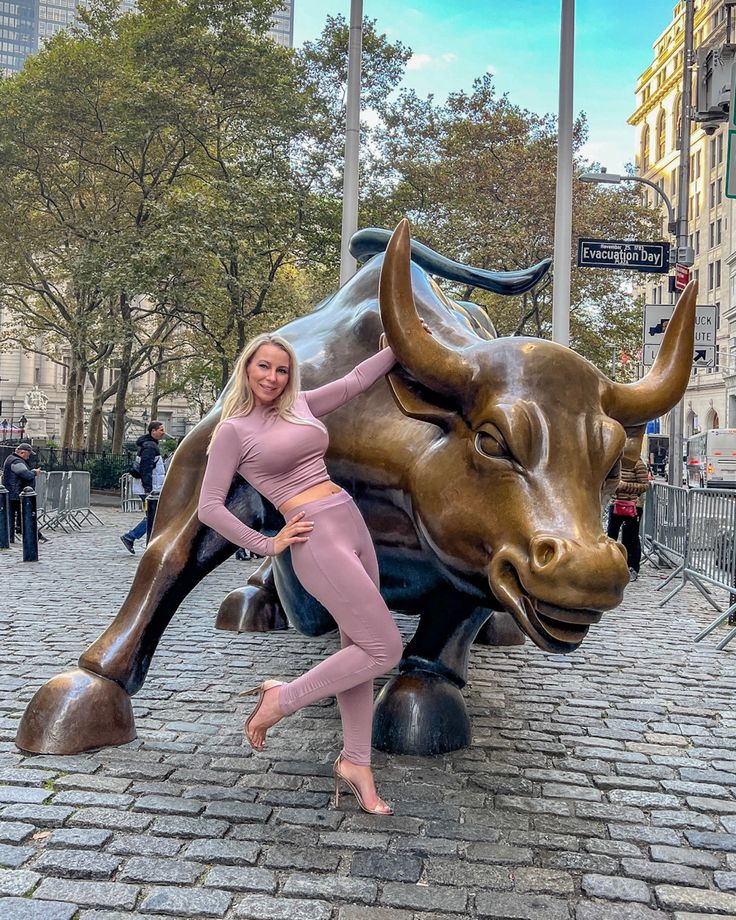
(553,629)
(558,629)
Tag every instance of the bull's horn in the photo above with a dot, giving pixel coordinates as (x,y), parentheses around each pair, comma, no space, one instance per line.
(439,368)
(664,386)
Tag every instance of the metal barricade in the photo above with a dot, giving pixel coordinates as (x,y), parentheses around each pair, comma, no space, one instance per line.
(665,526)
(64,500)
(50,510)
(79,510)
(709,560)
(129,501)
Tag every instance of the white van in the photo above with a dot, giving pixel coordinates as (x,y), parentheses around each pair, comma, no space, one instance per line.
(711,459)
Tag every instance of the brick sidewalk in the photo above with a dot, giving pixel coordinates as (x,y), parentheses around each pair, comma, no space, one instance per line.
(599,786)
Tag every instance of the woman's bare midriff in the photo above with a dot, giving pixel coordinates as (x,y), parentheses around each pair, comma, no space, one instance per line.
(321,490)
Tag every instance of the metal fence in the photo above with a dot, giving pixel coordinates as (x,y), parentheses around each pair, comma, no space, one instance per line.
(63,500)
(129,501)
(105,469)
(695,531)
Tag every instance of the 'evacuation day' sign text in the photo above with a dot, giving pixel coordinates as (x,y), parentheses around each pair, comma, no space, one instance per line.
(638,257)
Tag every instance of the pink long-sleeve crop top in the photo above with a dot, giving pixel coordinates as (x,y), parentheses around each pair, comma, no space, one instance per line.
(277,457)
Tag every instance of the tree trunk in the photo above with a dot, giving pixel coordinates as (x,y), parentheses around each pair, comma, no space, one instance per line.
(70,413)
(94,432)
(156,390)
(79,407)
(118,435)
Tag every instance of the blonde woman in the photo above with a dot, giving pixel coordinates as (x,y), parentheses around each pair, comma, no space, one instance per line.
(270,433)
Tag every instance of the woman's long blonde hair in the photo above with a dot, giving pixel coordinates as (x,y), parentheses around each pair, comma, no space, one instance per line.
(239,400)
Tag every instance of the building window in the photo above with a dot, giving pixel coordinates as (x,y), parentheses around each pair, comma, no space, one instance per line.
(713,153)
(719,190)
(720,147)
(712,195)
(645,149)
(661,135)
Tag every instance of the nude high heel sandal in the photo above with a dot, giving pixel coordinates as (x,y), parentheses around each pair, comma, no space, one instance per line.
(382,809)
(260,692)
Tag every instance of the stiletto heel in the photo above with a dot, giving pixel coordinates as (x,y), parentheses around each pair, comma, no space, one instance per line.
(340,777)
(259,691)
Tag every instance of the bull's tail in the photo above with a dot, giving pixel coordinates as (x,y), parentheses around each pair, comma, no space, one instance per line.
(372,240)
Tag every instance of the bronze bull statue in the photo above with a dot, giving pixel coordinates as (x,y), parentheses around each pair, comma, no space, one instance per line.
(479,468)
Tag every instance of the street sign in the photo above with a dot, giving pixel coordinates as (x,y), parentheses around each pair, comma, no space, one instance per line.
(682,276)
(656,320)
(702,357)
(632,256)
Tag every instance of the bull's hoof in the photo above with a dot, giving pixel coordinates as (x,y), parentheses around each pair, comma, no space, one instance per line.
(420,713)
(251,609)
(500,629)
(76,711)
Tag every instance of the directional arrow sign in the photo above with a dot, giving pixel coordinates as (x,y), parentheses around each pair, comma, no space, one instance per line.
(702,357)
(656,320)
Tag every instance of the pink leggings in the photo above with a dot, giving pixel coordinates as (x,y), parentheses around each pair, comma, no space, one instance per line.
(338,566)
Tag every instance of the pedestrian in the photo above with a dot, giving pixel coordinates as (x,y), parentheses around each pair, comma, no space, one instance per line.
(17,475)
(151,471)
(627,505)
(270,433)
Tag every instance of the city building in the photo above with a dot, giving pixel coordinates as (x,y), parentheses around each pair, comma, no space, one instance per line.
(26,24)
(710,399)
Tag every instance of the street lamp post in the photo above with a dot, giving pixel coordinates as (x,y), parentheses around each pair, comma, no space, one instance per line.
(685,256)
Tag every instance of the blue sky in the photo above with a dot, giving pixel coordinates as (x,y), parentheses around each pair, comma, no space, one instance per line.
(518,40)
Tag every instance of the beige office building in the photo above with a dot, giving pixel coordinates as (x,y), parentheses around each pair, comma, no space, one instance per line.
(710,400)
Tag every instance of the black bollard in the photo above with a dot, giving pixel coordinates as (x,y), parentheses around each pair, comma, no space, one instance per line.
(4,518)
(29,524)
(151,506)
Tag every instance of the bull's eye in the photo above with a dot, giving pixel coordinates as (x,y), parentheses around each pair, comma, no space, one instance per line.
(491,445)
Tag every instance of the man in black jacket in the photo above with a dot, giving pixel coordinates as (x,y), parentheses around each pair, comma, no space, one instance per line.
(17,474)
(152,472)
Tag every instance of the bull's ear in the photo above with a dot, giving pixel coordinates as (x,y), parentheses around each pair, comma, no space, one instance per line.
(417,402)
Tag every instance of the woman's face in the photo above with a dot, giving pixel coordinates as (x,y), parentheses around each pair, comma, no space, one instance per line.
(268,374)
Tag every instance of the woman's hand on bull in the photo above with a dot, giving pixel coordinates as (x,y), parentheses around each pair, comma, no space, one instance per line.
(383,341)
(296,531)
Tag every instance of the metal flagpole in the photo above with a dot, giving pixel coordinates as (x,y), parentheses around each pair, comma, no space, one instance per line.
(352,142)
(563,200)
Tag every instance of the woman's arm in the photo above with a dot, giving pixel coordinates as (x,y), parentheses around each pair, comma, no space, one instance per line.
(222,464)
(333,395)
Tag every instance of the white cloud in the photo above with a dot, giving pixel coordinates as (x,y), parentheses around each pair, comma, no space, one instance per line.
(492,69)
(417,61)
(449,57)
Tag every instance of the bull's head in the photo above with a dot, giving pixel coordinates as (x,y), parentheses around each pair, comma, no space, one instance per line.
(533,436)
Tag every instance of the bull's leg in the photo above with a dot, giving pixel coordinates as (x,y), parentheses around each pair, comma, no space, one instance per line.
(254,608)
(422,711)
(90,707)
(500,629)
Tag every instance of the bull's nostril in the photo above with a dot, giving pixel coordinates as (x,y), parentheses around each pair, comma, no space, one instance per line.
(544,552)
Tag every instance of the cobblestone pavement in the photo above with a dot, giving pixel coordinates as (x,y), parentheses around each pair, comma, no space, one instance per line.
(599,786)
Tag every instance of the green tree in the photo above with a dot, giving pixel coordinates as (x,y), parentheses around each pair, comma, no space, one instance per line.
(477,178)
